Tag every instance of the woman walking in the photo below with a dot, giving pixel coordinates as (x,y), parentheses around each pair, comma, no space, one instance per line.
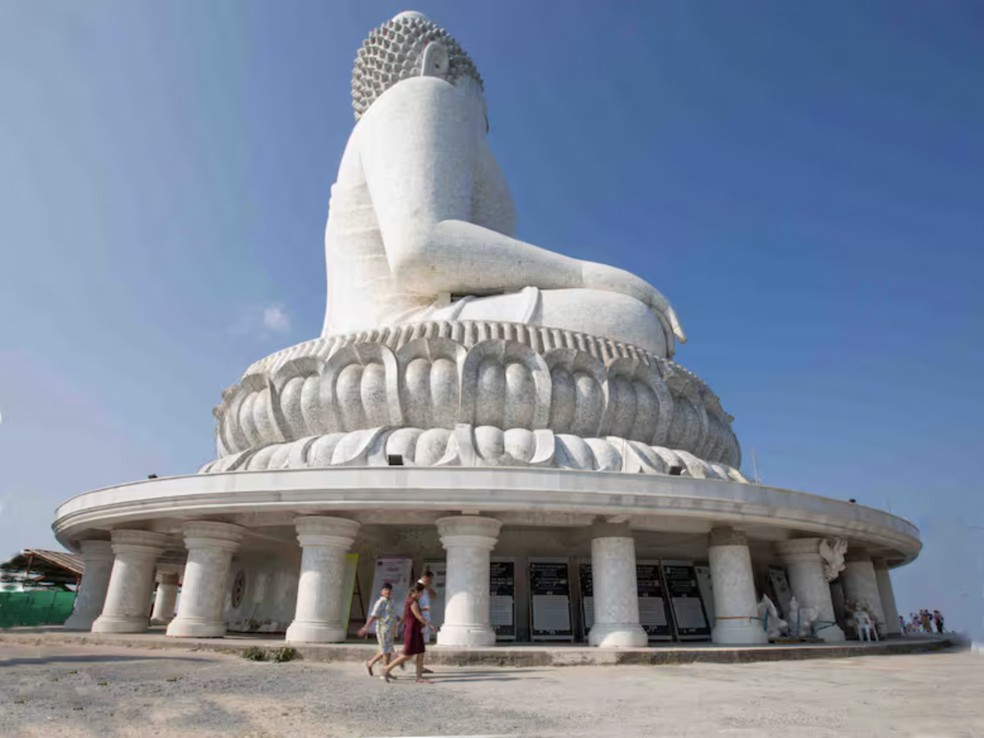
(414,623)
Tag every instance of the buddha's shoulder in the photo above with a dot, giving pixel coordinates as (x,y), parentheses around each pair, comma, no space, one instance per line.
(410,95)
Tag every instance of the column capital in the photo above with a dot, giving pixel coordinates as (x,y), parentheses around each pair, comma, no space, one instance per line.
(469,530)
(166,577)
(138,541)
(611,530)
(93,549)
(321,530)
(212,534)
(724,536)
(798,549)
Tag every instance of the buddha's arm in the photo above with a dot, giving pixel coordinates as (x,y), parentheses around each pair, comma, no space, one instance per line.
(419,149)
(419,155)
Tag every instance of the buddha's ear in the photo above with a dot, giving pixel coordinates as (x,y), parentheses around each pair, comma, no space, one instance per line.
(434,60)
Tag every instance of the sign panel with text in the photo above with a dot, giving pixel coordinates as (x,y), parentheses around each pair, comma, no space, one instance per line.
(550,600)
(502,599)
(654,607)
(396,570)
(683,591)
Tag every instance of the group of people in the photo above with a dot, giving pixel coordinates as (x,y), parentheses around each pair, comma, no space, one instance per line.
(415,621)
(922,622)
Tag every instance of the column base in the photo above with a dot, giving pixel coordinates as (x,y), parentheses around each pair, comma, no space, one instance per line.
(188,628)
(465,636)
(105,624)
(161,621)
(617,635)
(739,633)
(831,634)
(79,622)
(313,632)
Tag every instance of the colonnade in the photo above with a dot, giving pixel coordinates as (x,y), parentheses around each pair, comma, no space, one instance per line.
(119,578)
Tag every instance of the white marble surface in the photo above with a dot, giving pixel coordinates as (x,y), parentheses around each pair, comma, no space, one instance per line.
(324,541)
(499,375)
(732,581)
(807,570)
(886,596)
(97,555)
(468,541)
(615,592)
(166,598)
(127,605)
(391,491)
(210,548)
(420,211)
(861,586)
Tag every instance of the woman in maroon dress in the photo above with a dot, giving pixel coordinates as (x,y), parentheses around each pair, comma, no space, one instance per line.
(413,635)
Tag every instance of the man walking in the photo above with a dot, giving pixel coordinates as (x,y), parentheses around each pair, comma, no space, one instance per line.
(425,599)
(384,614)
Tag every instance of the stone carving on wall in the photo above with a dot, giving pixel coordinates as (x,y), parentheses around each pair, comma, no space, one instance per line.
(833,551)
(436,382)
(468,445)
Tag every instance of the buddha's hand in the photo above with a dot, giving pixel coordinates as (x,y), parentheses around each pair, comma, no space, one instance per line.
(611,279)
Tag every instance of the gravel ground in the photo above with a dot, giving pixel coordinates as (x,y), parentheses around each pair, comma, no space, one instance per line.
(109,692)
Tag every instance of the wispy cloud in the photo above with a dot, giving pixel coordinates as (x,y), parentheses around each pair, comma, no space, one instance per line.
(263,321)
(276,319)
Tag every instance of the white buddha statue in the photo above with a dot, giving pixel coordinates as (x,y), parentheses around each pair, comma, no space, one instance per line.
(422,226)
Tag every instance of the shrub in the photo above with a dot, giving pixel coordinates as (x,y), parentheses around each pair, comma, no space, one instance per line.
(253,653)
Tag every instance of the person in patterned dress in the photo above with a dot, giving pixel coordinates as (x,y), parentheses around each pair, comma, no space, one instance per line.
(385,615)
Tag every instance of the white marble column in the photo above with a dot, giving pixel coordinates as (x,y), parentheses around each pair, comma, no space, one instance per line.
(325,541)
(887,597)
(616,591)
(804,565)
(469,540)
(97,556)
(861,585)
(206,577)
(167,596)
(735,607)
(127,604)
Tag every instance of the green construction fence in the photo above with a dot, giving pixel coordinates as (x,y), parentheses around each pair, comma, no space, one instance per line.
(35,608)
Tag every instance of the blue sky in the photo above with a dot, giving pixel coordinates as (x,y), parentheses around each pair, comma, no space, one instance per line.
(805,182)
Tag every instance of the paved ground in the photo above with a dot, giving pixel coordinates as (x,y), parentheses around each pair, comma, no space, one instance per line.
(107,692)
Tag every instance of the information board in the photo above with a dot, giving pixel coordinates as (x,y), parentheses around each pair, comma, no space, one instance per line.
(689,621)
(780,585)
(654,610)
(550,600)
(706,591)
(397,570)
(502,598)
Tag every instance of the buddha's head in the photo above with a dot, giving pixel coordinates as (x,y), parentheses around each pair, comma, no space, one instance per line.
(410,45)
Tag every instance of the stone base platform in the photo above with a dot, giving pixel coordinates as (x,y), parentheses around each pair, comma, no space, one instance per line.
(524,655)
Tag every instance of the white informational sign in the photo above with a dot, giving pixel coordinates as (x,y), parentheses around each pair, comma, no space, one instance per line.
(654,616)
(706,591)
(397,570)
(502,600)
(550,599)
